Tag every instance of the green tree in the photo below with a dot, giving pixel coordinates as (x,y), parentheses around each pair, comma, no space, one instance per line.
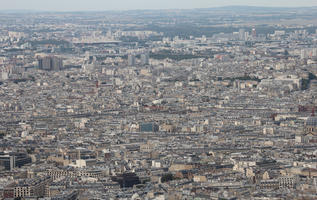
(167,177)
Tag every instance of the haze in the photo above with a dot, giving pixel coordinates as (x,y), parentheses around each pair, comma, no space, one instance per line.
(84,5)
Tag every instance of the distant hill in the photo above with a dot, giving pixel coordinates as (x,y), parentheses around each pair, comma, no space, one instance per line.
(233,8)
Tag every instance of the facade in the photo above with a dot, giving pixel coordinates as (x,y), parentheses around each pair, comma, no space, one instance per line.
(145,59)
(242,34)
(281,182)
(311,126)
(13,160)
(131,60)
(28,188)
(50,63)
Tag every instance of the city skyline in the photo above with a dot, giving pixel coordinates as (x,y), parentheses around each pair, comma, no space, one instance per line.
(157,101)
(98,5)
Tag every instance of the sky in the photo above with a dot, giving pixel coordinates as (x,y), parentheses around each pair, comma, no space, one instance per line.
(100,5)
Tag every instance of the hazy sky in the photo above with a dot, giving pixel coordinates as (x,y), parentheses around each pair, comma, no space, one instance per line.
(77,5)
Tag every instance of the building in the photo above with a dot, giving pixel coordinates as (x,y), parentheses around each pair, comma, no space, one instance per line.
(242,34)
(314,52)
(66,195)
(27,188)
(50,63)
(303,54)
(149,127)
(311,125)
(4,75)
(287,182)
(126,180)
(145,59)
(269,184)
(253,33)
(281,182)
(131,60)
(13,160)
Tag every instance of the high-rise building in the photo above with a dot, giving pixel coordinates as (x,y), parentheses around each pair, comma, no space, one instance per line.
(44,63)
(242,34)
(51,63)
(303,54)
(12,160)
(246,36)
(314,53)
(145,59)
(131,60)
(57,64)
(253,33)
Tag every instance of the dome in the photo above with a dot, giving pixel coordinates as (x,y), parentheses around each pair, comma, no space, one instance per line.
(311,121)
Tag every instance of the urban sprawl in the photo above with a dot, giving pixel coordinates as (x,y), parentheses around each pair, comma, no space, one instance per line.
(165,104)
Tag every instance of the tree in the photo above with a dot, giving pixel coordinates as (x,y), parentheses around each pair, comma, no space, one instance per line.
(167,178)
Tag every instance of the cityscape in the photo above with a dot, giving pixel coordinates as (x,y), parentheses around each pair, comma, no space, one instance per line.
(176,104)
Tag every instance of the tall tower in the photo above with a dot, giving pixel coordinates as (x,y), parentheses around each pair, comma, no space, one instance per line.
(131,60)
(145,59)
(314,52)
(57,64)
(50,63)
(242,34)
(253,33)
(303,54)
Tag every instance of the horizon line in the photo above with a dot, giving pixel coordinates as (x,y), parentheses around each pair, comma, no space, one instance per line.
(153,9)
